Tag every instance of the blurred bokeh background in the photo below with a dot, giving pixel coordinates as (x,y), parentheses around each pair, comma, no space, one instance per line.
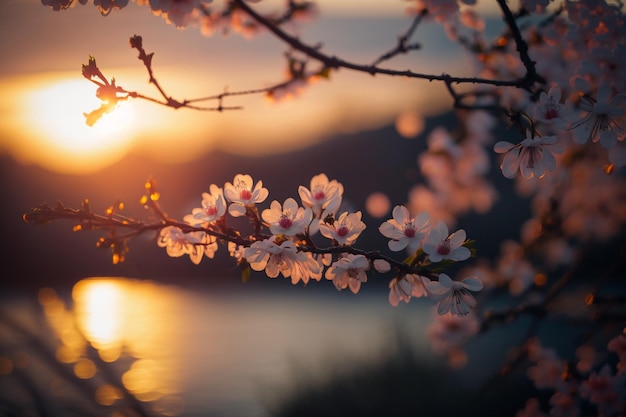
(195,340)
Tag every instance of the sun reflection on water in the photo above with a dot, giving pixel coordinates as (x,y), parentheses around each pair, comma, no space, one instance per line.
(126,322)
(173,350)
(102,303)
(121,316)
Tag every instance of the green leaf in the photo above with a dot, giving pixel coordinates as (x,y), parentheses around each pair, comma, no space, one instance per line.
(469,244)
(245,274)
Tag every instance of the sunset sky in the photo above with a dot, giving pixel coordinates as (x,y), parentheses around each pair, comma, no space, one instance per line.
(44,94)
(207,338)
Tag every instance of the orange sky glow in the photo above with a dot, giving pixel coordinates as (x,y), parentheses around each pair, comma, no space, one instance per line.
(45,95)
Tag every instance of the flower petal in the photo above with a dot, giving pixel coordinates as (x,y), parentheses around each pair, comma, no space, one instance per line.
(472,284)
(435,288)
(400,214)
(503,147)
(457,238)
(445,280)
(398,245)
(237,210)
(548,160)
(444,305)
(460,254)
(510,165)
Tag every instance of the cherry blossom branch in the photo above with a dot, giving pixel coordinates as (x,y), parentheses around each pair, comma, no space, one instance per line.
(424,263)
(111,94)
(538,309)
(88,220)
(539,312)
(328,63)
(401,267)
(137,43)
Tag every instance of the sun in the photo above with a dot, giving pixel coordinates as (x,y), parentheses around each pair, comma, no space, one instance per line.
(59,113)
(53,131)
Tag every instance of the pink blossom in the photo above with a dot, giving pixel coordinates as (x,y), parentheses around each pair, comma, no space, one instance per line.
(440,245)
(547,370)
(564,404)
(531,409)
(586,355)
(605,391)
(438,10)
(284,259)
(242,195)
(449,333)
(405,231)
(195,244)
(404,287)
(532,157)
(549,109)
(323,196)
(602,119)
(618,345)
(454,296)
(57,5)
(105,6)
(288,219)
(348,271)
(344,230)
(213,207)
(177,12)
(513,268)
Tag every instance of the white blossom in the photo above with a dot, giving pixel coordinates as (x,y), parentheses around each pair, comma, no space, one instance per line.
(288,219)
(440,245)
(282,259)
(602,119)
(324,196)
(349,271)
(242,195)
(532,157)
(405,231)
(454,296)
(345,230)
(195,244)
(405,287)
(213,208)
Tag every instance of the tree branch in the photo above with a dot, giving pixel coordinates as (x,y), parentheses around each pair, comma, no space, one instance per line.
(332,62)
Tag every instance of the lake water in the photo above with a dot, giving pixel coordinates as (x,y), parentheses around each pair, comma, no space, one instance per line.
(197,353)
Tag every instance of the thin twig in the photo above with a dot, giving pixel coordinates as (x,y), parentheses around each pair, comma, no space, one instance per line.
(522,48)
(402,47)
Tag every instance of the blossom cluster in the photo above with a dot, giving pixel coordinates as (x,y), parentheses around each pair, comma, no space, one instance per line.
(556,72)
(580,56)
(203,13)
(283,241)
(594,380)
(455,169)
(597,119)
